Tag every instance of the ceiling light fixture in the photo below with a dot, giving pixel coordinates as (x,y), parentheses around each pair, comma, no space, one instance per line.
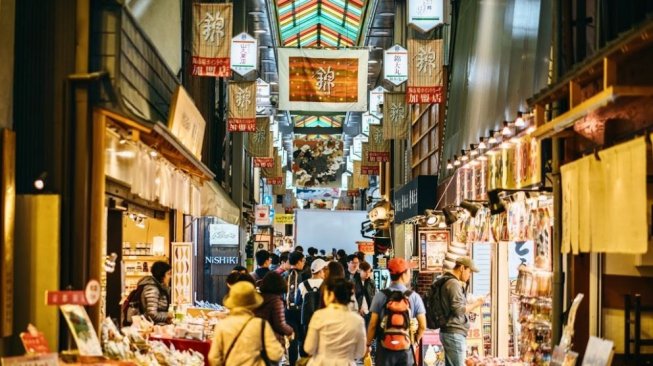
(449,165)
(519,122)
(372,61)
(481,144)
(473,150)
(386,14)
(506,131)
(153,154)
(260,31)
(463,157)
(492,140)
(456,162)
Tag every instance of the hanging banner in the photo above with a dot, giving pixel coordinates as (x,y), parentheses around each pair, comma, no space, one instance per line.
(376,100)
(358,145)
(280,189)
(212,25)
(263,162)
(318,162)
(274,175)
(241,114)
(395,65)
(379,147)
(357,180)
(263,97)
(367,167)
(425,71)
(425,14)
(368,119)
(515,167)
(322,80)
(395,121)
(244,51)
(259,142)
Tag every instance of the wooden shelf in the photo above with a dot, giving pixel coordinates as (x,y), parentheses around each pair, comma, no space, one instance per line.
(144,257)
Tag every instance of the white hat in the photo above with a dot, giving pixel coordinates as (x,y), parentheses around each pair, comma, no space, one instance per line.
(318,265)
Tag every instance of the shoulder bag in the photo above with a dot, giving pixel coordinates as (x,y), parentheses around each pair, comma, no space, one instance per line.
(231,346)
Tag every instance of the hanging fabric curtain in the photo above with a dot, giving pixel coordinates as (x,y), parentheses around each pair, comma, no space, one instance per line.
(604,201)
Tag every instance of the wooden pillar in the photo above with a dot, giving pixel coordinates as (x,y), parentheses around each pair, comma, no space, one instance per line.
(97,225)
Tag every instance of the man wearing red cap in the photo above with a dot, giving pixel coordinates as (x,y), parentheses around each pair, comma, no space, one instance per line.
(400,275)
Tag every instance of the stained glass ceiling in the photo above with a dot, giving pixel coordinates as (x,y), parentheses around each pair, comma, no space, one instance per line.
(320,23)
(318,121)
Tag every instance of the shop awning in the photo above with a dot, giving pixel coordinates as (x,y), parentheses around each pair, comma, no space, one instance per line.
(604,206)
(216,202)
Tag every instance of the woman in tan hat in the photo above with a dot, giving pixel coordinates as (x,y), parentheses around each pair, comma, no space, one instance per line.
(241,339)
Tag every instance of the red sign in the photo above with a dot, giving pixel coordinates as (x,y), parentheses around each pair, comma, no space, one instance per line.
(366,247)
(263,162)
(378,157)
(241,124)
(51,359)
(215,67)
(65,298)
(423,94)
(35,343)
(353,193)
(275,181)
(369,170)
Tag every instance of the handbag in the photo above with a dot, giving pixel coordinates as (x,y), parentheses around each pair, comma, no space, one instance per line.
(231,346)
(264,352)
(302,361)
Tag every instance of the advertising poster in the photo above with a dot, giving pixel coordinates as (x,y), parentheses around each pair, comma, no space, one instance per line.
(475,334)
(82,330)
(432,249)
(432,351)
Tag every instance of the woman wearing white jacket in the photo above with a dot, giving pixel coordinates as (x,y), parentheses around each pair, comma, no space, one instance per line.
(241,338)
(336,335)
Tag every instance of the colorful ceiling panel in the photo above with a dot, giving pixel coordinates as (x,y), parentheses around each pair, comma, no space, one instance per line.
(318,121)
(320,23)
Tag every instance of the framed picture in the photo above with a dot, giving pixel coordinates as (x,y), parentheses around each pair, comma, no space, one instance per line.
(82,330)
(433,246)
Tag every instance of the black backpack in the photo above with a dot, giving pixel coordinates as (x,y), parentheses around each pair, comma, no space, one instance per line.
(436,315)
(132,306)
(293,296)
(310,303)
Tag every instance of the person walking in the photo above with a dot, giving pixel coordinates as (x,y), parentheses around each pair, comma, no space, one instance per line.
(365,290)
(336,270)
(453,297)
(395,342)
(240,338)
(283,263)
(155,298)
(336,336)
(263,261)
(272,288)
(310,292)
(352,267)
(293,278)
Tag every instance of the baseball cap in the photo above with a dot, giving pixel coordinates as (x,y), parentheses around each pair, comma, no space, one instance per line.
(467,262)
(398,266)
(318,265)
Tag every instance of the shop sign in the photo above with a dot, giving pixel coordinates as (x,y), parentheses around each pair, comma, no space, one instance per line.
(65,298)
(415,197)
(366,247)
(263,162)
(353,193)
(274,181)
(244,49)
(516,167)
(433,246)
(92,292)
(231,260)
(368,119)
(378,145)
(212,30)
(186,122)
(50,359)
(358,144)
(223,234)
(381,278)
(395,65)
(241,111)
(35,343)
(262,96)
(425,14)
(262,216)
(431,348)
(376,99)
(284,219)
(425,71)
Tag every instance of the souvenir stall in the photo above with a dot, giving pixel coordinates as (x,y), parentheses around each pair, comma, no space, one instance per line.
(505,225)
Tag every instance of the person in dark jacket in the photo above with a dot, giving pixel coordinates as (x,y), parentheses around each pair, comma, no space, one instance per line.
(155,298)
(454,300)
(341,257)
(272,288)
(365,290)
(263,261)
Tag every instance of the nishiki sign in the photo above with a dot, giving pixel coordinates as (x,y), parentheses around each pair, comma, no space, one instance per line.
(415,197)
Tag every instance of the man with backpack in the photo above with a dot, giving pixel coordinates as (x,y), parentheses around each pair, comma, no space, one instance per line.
(448,309)
(397,319)
(293,298)
(310,292)
(263,261)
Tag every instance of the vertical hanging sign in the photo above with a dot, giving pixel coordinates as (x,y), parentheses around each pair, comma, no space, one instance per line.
(241,116)
(379,147)
(259,143)
(395,65)
(367,167)
(262,96)
(376,99)
(425,71)
(367,120)
(395,120)
(425,14)
(244,49)
(212,25)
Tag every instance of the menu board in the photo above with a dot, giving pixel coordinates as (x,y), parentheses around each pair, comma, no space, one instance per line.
(432,249)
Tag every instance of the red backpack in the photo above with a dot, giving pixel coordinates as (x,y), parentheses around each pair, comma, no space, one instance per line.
(396,321)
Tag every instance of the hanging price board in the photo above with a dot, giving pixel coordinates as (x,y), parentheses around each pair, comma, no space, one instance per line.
(395,65)
(425,14)
(244,49)
(376,99)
